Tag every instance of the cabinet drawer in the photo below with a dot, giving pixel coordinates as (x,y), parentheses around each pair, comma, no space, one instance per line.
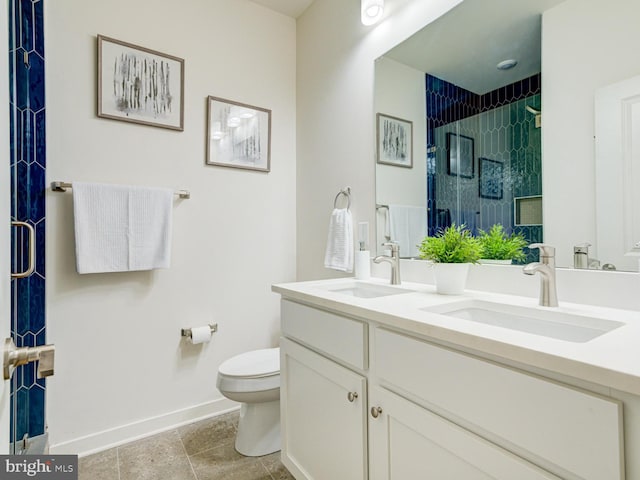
(575,431)
(339,337)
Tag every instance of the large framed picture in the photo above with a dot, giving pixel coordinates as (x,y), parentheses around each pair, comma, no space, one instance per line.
(491,177)
(239,135)
(460,155)
(395,141)
(139,85)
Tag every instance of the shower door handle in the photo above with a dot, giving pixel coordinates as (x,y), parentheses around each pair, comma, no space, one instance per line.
(32,250)
(14,357)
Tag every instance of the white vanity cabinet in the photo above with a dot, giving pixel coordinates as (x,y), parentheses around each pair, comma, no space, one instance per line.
(324,404)
(469,410)
(410,442)
(361,400)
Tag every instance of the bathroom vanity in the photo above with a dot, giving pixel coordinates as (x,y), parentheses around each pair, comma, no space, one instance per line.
(382,382)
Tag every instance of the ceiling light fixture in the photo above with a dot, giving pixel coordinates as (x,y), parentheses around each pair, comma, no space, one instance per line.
(507,64)
(371,11)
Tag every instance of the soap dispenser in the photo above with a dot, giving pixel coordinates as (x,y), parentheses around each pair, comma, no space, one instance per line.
(581,256)
(363,256)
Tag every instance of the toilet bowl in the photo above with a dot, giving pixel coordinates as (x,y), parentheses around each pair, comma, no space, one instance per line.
(253,379)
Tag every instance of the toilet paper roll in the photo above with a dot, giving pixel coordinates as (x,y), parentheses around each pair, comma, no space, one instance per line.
(200,334)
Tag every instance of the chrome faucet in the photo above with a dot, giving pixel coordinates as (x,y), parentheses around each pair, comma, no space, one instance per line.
(546,267)
(393,260)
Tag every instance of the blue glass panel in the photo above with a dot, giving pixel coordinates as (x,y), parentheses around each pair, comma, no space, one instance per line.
(36,82)
(25,12)
(36,411)
(29,374)
(40,138)
(22,419)
(36,303)
(40,248)
(39,21)
(22,306)
(37,189)
(11,75)
(41,337)
(13,171)
(26,136)
(21,80)
(22,191)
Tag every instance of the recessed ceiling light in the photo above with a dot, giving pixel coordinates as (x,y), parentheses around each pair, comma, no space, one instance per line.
(507,64)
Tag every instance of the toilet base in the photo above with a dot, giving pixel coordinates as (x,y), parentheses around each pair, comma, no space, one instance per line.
(258,429)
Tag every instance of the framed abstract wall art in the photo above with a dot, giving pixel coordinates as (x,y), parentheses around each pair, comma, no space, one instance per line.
(139,85)
(239,135)
(460,155)
(394,140)
(491,174)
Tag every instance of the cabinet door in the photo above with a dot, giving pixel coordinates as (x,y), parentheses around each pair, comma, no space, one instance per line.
(323,416)
(408,442)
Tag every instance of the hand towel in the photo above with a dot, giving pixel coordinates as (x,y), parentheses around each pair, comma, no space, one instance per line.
(407,227)
(121,228)
(339,253)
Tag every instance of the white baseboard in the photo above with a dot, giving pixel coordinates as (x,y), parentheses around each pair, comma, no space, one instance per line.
(116,436)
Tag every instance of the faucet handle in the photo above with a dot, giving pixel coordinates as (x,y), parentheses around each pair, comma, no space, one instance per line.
(545,250)
(395,246)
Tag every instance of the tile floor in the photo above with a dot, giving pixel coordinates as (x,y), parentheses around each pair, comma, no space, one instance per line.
(199,451)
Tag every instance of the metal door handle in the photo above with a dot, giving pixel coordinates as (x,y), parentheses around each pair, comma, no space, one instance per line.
(376,411)
(32,250)
(352,396)
(14,357)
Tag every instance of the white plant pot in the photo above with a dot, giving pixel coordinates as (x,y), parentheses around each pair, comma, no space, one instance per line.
(451,278)
(488,261)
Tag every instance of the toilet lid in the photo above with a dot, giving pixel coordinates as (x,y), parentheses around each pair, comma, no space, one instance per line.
(257,363)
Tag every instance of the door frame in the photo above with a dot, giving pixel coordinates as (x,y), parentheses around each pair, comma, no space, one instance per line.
(5,229)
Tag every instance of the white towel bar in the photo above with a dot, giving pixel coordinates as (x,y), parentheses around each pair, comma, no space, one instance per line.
(62,187)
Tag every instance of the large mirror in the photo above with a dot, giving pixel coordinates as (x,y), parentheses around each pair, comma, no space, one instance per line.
(501,120)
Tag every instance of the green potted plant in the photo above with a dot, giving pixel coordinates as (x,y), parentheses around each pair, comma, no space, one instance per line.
(498,247)
(451,250)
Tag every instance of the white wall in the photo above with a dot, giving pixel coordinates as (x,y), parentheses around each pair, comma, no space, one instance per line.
(400,91)
(121,367)
(5,208)
(586,44)
(335,90)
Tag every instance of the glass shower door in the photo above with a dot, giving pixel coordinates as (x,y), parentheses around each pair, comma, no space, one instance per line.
(27,166)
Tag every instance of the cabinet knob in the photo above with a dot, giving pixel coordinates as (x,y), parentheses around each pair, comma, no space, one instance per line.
(376,411)
(352,396)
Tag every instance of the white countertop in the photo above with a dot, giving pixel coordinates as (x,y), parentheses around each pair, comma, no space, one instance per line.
(611,360)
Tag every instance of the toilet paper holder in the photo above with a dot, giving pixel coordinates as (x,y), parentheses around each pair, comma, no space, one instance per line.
(186,332)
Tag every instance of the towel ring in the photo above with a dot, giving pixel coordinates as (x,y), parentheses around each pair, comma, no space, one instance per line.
(347,193)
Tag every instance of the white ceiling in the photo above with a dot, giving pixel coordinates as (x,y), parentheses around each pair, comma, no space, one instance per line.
(464,46)
(291,8)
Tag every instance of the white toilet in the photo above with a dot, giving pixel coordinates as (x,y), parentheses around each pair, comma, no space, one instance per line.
(253,378)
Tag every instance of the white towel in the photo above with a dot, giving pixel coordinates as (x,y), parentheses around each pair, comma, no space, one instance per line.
(407,227)
(339,253)
(121,228)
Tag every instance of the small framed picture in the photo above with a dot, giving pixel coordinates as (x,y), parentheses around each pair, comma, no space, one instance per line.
(139,85)
(491,174)
(239,135)
(395,141)
(460,155)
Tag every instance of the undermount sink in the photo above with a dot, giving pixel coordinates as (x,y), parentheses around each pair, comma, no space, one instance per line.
(365,290)
(538,321)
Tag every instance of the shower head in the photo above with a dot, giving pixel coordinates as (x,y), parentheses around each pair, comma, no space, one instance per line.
(533,110)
